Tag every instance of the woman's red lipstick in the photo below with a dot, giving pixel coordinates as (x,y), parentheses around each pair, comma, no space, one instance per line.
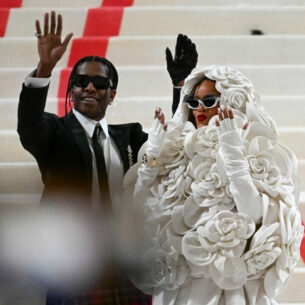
(201,117)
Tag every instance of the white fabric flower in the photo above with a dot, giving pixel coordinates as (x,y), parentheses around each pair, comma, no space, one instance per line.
(264,250)
(172,189)
(173,153)
(222,241)
(226,233)
(203,141)
(270,167)
(236,98)
(291,231)
(165,266)
(210,188)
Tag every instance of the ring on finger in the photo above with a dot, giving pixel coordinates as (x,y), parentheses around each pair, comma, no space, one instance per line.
(37,34)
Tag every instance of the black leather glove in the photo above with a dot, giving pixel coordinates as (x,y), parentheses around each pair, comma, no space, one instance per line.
(185,59)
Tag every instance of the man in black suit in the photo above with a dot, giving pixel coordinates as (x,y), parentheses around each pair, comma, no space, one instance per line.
(64,147)
(82,164)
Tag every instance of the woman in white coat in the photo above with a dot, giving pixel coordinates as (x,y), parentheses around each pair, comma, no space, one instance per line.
(218,197)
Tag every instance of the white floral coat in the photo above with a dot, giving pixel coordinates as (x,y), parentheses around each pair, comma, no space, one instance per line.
(201,249)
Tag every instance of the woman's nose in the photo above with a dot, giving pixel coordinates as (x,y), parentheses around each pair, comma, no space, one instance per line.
(201,108)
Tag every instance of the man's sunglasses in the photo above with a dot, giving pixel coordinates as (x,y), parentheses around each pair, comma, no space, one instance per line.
(98,82)
(209,101)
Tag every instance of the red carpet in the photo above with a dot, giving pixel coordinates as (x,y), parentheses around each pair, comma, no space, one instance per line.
(5,11)
(11,3)
(303,247)
(101,23)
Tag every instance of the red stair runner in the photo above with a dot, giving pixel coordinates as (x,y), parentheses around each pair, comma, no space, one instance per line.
(101,23)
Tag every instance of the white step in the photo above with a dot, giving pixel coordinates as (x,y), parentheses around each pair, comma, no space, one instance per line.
(212,20)
(220,49)
(144,50)
(8,114)
(21,22)
(295,289)
(24,177)
(25,53)
(154,81)
(20,178)
(141,109)
(169,20)
(98,3)
(221,3)
(12,150)
(61,3)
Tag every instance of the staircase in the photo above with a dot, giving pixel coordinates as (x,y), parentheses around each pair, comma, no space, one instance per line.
(135,41)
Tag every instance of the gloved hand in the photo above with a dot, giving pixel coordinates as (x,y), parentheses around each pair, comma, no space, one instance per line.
(246,196)
(231,142)
(185,59)
(156,134)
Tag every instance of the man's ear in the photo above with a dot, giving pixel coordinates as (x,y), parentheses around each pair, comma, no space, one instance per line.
(112,94)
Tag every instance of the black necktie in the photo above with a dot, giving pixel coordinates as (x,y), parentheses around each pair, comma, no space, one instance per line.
(100,164)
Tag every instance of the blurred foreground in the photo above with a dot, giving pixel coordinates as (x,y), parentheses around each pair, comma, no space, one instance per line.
(65,249)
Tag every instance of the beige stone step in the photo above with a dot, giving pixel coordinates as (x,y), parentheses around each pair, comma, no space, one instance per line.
(212,49)
(170,20)
(8,114)
(21,22)
(24,177)
(294,293)
(212,20)
(141,109)
(96,3)
(60,3)
(12,150)
(20,178)
(25,53)
(153,81)
(292,116)
(12,79)
(20,200)
(294,138)
(150,50)
(215,2)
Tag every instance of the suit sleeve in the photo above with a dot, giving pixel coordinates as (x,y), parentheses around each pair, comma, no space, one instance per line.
(33,127)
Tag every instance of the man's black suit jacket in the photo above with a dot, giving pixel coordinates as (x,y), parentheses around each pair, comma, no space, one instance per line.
(60,146)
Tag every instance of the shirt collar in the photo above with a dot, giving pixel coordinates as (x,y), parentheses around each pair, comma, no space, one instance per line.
(89,124)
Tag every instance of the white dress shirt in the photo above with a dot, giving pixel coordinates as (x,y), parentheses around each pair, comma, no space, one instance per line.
(114,164)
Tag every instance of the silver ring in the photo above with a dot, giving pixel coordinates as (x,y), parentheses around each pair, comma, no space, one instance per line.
(37,34)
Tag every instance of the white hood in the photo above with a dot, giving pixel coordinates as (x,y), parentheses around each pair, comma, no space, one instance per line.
(237,91)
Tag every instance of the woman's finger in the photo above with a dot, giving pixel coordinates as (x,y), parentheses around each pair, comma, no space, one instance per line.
(245,126)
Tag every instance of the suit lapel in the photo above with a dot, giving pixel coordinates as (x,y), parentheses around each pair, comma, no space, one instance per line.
(122,143)
(81,141)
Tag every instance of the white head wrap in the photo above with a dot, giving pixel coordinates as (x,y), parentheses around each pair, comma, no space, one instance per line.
(237,92)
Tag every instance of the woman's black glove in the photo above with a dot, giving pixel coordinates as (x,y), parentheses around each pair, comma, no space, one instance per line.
(185,59)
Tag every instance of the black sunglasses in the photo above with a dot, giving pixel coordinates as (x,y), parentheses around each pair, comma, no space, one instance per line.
(208,101)
(98,82)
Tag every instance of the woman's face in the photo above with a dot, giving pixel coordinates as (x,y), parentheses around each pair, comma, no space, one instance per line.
(203,115)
